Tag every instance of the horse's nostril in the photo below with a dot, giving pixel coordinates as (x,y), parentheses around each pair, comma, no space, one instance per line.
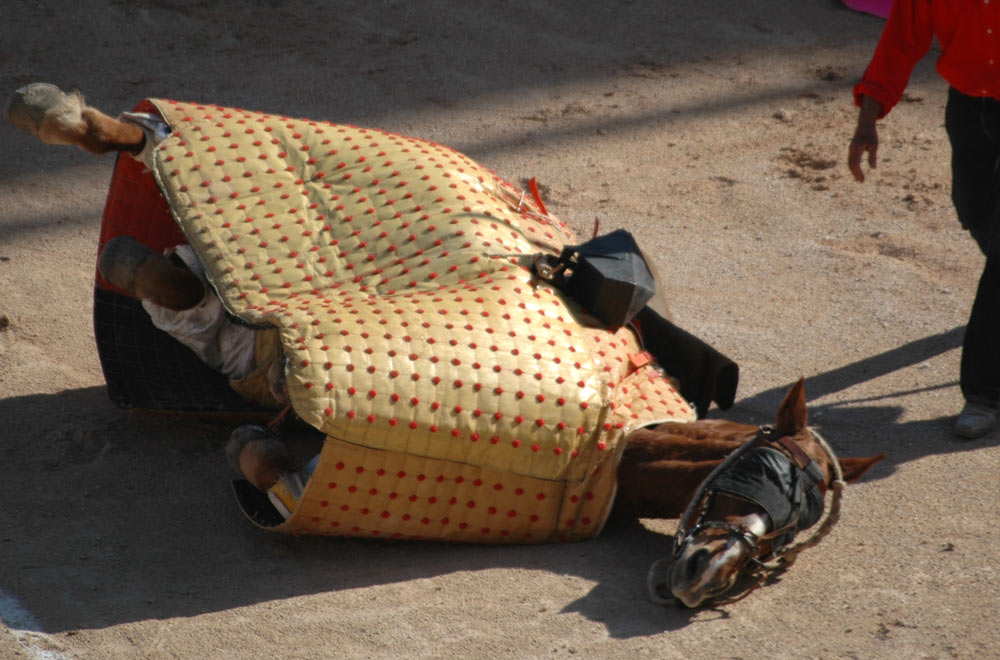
(697,563)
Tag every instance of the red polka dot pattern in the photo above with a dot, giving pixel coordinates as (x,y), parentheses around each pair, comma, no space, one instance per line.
(398,272)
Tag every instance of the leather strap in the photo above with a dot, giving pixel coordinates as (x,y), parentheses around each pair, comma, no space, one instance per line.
(798,456)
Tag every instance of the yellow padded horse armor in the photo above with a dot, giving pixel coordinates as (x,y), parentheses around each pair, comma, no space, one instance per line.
(462,397)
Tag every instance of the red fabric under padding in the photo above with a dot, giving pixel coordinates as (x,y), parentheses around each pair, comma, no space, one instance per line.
(145,368)
(136,208)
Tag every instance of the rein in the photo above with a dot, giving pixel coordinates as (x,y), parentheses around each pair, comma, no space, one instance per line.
(780,559)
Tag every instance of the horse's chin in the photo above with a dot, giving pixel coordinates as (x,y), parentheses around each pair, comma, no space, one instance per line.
(696,597)
(688,600)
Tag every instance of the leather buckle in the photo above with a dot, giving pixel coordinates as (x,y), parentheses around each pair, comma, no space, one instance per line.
(639,360)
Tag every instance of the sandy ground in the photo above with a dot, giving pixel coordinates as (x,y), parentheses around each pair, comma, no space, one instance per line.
(714,131)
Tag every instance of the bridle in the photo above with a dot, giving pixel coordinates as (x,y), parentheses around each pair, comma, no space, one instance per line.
(780,557)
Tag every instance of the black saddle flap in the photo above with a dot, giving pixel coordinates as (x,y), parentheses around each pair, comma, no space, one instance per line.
(609,276)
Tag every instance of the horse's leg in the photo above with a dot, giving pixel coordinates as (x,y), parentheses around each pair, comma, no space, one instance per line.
(106,134)
(149,275)
(55,117)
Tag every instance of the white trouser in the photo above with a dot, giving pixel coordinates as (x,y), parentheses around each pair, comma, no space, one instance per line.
(205,329)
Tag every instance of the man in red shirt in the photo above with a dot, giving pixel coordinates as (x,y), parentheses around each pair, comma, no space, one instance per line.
(968,32)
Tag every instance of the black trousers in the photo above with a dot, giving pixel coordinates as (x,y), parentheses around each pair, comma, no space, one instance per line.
(973,126)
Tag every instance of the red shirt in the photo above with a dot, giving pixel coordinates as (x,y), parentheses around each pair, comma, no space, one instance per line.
(968,32)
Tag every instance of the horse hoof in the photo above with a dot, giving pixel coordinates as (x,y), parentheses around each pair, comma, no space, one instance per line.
(259,455)
(120,259)
(47,112)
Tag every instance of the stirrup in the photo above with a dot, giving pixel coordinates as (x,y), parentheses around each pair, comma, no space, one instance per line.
(153,128)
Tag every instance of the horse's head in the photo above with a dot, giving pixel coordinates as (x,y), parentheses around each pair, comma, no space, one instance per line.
(750,507)
(714,554)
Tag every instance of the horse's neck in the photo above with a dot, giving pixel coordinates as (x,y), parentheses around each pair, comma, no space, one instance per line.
(717,430)
(702,440)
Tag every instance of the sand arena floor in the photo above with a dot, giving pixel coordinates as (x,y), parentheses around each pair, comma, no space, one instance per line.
(715,132)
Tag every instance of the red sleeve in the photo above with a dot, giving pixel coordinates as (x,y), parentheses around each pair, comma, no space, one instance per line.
(905,39)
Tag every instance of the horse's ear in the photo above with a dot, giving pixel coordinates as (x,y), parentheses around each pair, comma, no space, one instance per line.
(854,468)
(792,416)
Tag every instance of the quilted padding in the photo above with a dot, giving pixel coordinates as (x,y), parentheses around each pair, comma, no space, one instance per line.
(462,397)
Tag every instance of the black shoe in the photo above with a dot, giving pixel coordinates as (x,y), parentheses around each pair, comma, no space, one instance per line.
(975,421)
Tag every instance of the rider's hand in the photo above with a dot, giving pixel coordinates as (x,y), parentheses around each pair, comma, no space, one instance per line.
(865,138)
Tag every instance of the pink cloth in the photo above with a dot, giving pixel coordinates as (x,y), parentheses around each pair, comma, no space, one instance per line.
(877,7)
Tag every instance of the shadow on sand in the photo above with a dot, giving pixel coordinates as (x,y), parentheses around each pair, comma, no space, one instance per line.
(122,497)
(858,427)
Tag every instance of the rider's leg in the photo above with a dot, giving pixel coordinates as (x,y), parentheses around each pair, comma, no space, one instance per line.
(148,275)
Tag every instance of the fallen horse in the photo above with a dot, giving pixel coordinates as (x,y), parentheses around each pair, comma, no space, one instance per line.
(387,293)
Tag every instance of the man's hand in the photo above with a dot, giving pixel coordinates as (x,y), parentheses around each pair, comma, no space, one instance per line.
(865,138)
